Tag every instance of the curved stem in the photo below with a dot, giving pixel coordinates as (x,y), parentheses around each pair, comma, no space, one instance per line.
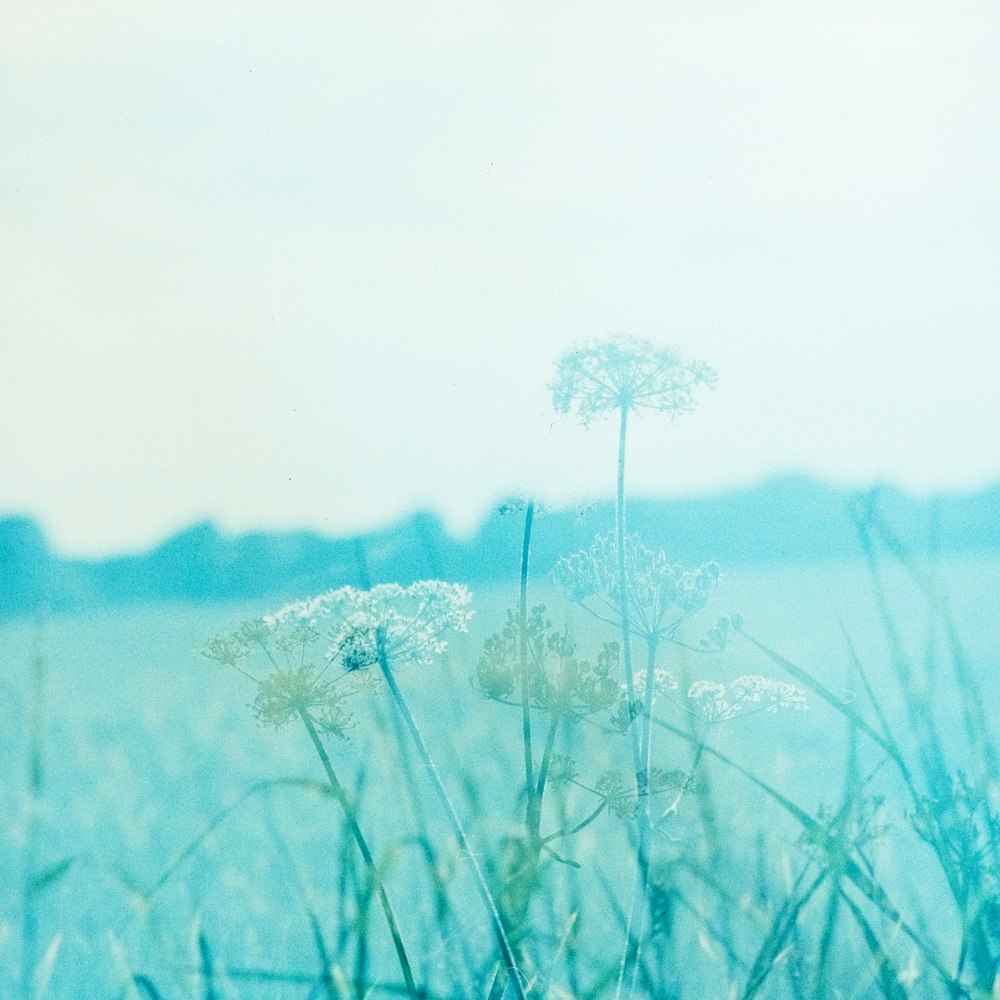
(373,873)
(514,973)
(569,831)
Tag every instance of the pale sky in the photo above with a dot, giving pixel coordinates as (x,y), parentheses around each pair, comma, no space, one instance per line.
(310,265)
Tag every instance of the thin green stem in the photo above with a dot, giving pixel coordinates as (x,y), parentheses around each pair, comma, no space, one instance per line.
(622,583)
(643,817)
(630,954)
(533,807)
(507,955)
(646,733)
(543,770)
(373,873)
(569,831)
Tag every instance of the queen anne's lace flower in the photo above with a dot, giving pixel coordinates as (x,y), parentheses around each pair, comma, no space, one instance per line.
(751,692)
(663,681)
(660,593)
(295,685)
(625,373)
(284,692)
(410,622)
(406,623)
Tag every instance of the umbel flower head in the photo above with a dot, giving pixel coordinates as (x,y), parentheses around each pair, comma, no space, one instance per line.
(404,623)
(625,373)
(559,681)
(294,683)
(719,702)
(344,627)
(660,593)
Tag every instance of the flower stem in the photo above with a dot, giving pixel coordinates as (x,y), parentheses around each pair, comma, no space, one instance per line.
(507,955)
(373,873)
(630,954)
(569,831)
(645,823)
(646,733)
(622,585)
(543,771)
(533,807)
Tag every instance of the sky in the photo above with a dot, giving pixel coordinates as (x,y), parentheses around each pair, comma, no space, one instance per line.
(310,265)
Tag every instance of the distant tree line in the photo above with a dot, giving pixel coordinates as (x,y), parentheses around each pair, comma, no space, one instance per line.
(786,520)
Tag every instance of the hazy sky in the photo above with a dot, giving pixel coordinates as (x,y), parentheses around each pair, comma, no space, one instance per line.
(296,264)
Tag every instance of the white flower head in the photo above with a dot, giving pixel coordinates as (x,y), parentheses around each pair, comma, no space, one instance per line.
(660,593)
(625,373)
(410,622)
(663,681)
(751,692)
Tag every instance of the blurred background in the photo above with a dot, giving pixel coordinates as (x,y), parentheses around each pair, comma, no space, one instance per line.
(311,266)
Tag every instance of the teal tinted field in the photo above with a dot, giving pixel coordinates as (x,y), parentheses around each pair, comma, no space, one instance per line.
(146,744)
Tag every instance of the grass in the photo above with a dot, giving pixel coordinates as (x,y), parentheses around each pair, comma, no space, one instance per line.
(148,749)
(585,797)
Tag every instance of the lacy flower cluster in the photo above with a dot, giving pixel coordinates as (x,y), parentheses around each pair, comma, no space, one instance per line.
(626,374)
(719,702)
(409,623)
(559,681)
(660,593)
(298,645)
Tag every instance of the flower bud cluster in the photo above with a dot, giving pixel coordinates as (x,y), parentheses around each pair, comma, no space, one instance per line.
(558,680)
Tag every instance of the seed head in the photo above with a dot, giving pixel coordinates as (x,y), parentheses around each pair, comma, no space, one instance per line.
(559,681)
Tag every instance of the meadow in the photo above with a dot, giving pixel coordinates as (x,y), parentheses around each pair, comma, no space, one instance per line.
(171,847)
(614,777)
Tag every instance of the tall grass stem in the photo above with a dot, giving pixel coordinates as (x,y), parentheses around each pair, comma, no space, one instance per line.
(507,955)
(374,875)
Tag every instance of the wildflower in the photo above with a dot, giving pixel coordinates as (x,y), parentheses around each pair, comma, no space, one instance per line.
(558,680)
(409,622)
(625,373)
(659,594)
(227,650)
(621,796)
(719,702)
(663,681)
(296,688)
(286,693)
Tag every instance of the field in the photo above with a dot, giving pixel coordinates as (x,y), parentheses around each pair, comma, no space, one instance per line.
(163,845)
